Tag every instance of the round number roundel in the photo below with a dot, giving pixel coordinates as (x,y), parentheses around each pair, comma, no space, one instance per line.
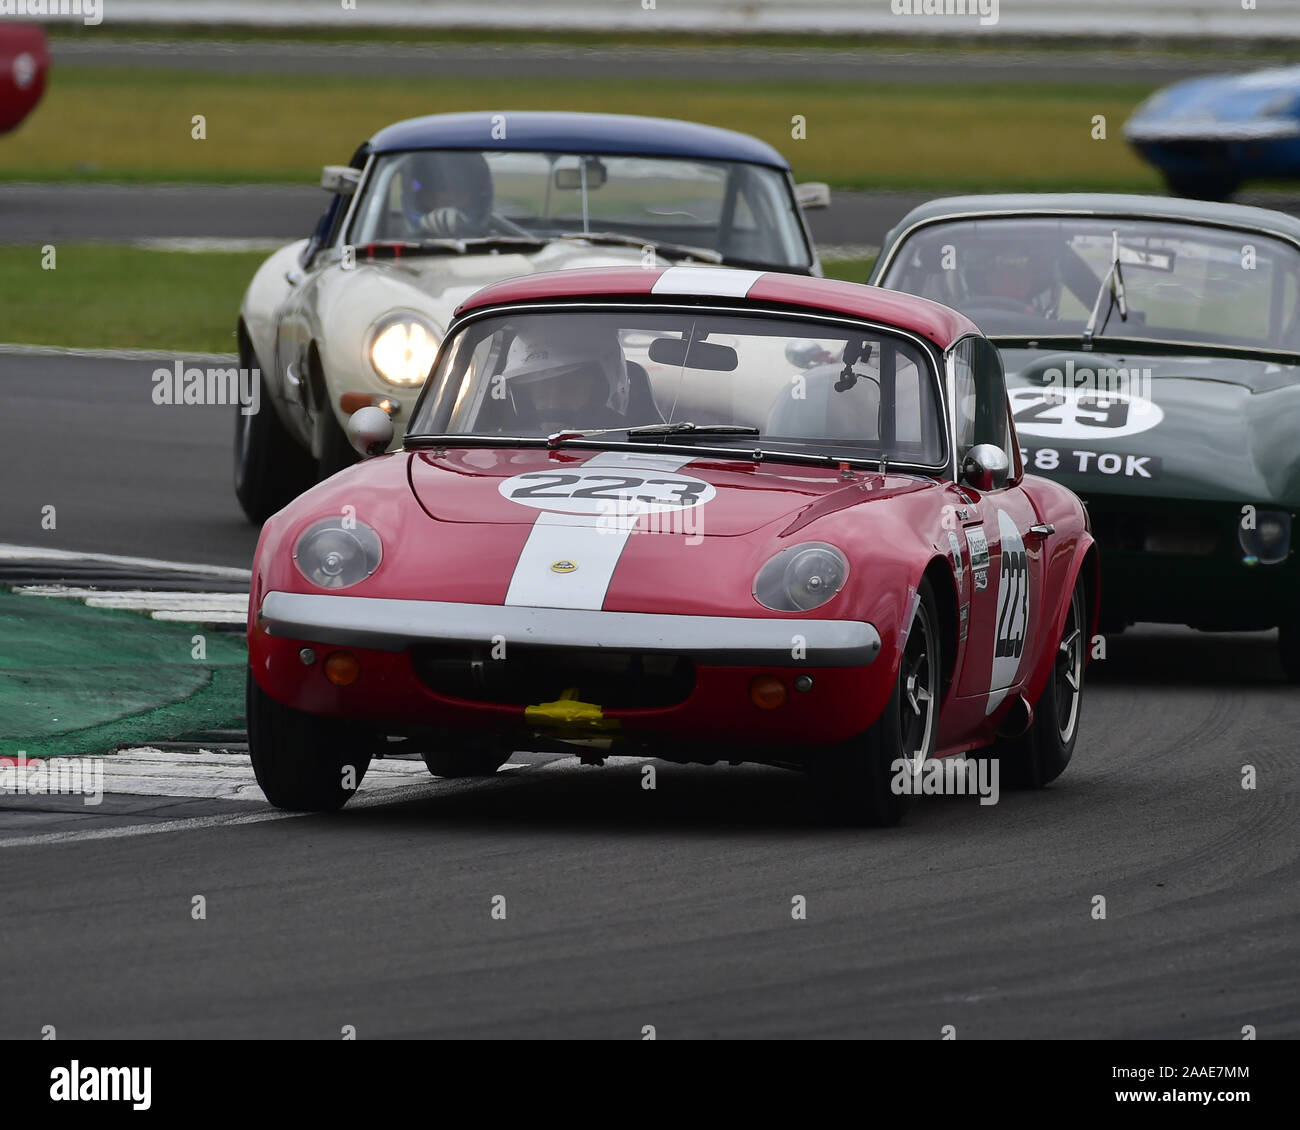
(1077,413)
(604,491)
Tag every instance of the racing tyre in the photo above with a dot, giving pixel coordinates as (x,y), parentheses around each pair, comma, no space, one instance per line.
(271,469)
(854,782)
(335,452)
(1289,641)
(1039,755)
(301,761)
(465,762)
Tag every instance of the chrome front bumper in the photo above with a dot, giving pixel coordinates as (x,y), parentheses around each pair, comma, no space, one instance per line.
(394,625)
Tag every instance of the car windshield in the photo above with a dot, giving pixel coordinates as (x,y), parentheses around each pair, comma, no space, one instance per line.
(798,385)
(1183,283)
(740,212)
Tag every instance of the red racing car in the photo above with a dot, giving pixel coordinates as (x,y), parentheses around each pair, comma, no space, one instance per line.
(24,67)
(693,513)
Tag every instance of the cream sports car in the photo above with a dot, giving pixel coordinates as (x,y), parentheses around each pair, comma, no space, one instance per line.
(433,209)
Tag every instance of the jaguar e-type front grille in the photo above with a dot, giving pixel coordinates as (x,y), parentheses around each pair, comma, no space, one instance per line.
(523,676)
(1186,535)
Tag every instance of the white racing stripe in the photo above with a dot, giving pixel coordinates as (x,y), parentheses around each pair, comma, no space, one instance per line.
(593,542)
(725,282)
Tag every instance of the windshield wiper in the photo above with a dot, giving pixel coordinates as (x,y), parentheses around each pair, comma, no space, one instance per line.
(685,427)
(1113,281)
(557,438)
(667,250)
(653,431)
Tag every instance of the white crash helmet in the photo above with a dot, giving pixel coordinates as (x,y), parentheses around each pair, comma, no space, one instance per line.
(556,348)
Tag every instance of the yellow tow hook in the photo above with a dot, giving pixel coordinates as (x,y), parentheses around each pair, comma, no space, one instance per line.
(570,715)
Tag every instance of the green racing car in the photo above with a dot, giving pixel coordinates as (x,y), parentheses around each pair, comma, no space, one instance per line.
(1152,352)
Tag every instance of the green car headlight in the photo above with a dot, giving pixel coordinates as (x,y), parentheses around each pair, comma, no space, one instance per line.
(402,348)
(801,577)
(335,553)
(1269,543)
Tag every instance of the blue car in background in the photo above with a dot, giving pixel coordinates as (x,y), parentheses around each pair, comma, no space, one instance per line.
(1210,135)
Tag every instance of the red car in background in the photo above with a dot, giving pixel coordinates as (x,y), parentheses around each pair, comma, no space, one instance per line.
(693,513)
(24,69)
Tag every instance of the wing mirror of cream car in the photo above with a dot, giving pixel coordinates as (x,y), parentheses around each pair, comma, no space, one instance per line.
(341,180)
(985,467)
(370,431)
(814,194)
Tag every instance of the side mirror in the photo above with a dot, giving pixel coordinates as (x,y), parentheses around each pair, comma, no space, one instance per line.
(341,180)
(814,194)
(986,467)
(370,431)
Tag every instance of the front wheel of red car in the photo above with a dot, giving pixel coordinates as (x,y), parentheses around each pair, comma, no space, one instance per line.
(1289,642)
(304,763)
(1039,755)
(864,781)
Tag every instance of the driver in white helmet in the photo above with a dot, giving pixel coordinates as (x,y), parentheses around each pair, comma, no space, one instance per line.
(559,375)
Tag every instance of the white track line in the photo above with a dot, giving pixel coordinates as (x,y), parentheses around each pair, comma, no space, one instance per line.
(143,600)
(189,824)
(413,791)
(181,617)
(175,607)
(41,553)
(208,243)
(147,771)
(17,350)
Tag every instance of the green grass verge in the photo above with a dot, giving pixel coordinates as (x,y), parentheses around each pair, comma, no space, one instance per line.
(850,270)
(135,125)
(101,296)
(76,680)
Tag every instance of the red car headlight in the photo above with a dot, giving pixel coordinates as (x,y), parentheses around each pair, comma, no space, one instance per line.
(801,577)
(335,553)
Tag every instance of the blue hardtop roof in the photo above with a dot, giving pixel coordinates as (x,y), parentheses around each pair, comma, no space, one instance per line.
(574,132)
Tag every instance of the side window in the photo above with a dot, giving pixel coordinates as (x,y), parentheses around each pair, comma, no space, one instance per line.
(990,398)
(980,404)
(963,405)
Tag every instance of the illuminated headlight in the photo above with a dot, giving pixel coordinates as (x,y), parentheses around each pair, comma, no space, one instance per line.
(402,349)
(801,577)
(337,552)
(1269,543)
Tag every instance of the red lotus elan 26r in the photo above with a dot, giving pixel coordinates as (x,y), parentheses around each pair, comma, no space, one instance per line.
(693,513)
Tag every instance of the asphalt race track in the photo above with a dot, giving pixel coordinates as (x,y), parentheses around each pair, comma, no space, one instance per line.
(44,213)
(628,907)
(126,476)
(79,212)
(672,908)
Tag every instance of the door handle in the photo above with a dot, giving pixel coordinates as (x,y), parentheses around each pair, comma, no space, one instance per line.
(1040,531)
